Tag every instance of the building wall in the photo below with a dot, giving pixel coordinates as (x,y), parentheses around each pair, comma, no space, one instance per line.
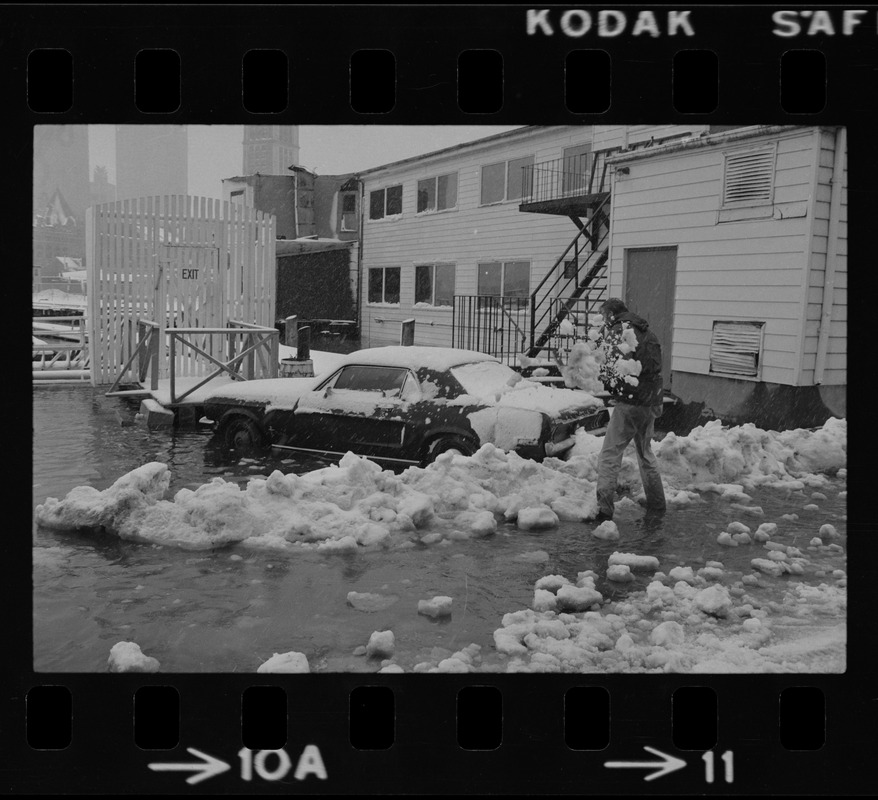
(270,149)
(470,233)
(835,371)
(750,269)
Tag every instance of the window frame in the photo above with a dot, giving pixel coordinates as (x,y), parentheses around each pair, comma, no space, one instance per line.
(435,181)
(432,266)
(383,301)
(506,198)
(343,214)
(503,265)
(384,191)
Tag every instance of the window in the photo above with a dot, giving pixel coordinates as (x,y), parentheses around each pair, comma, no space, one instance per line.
(349,220)
(434,284)
(385,202)
(506,180)
(506,278)
(748,177)
(384,285)
(735,347)
(371,379)
(237,198)
(437,194)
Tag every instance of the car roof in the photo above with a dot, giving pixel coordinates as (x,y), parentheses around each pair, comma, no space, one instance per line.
(416,357)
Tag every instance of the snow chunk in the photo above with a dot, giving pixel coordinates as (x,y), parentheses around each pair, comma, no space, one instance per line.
(439,606)
(607,530)
(551,582)
(737,527)
(682,574)
(714,600)
(381,644)
(576,598)
(291,662)
(725,539)
(127,657)
(367,601)
(620,573)
(537,518)
(667,633)
(634,561)
(828,532)
(767,566)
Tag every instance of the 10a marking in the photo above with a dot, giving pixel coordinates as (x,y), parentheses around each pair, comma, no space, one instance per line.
(729,761)
(310,763)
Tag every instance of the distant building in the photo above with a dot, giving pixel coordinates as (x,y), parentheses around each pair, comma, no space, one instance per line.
(102,191)
(61,164)
(270,149)
(151,160)
(57,233)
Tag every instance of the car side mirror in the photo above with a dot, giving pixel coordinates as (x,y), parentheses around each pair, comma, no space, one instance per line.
(327,391)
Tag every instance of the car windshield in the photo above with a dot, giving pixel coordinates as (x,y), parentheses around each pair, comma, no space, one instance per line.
(484,377)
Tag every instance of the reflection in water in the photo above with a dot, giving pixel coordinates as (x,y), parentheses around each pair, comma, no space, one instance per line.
(232,608)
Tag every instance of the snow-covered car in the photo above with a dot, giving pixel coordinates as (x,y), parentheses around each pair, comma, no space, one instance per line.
(406,405)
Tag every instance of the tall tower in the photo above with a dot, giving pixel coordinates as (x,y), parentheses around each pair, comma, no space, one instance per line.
(151,160)
(270,149)
(61,165)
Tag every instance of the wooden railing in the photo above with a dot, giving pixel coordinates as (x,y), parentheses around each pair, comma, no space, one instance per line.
(69,354)
(242,350)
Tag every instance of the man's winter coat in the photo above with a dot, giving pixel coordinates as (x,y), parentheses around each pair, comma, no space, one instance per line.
(649,389)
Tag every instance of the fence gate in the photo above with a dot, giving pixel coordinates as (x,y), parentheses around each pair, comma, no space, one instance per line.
(178,261)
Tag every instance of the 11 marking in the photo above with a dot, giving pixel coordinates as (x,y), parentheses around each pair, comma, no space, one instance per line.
(729,761)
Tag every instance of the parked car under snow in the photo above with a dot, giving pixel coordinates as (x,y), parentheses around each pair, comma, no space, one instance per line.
(406,405)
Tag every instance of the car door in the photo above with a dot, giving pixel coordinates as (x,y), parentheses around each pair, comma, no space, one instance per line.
(361,408)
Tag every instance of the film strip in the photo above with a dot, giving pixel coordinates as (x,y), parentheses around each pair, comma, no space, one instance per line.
(800,722)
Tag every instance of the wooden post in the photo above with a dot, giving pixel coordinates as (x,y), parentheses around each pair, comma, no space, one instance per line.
(154,342)
(291,333)
(407,333)
(173,376)
(303,351)
(250,361)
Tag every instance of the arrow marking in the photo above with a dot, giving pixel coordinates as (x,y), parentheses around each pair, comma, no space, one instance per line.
(667,765)
(208,767)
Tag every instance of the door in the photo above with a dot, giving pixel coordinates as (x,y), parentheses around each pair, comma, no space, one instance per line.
(650,281)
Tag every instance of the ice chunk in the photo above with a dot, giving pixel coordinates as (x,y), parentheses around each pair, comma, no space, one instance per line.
(537,518)
(737,527)
(634,561)
(742,538)
(711,573)
(682,574)
(607,530)
(751,625)
(544,600)
(127,657)
(725,539)
(815,542)
(439,606)
(577,598)
(767,566)
(551,582)
(392,668)
(381,644)
(667,633)
(828,531)
(620,573)
(368,601)
(286,662)
(714,600)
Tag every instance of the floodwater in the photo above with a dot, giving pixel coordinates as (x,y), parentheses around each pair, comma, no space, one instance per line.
(232,608)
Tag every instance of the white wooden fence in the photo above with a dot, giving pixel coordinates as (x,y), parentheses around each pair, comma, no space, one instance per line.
(181,261)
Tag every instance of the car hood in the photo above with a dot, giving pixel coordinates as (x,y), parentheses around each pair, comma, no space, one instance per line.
(556,402)
(270,392)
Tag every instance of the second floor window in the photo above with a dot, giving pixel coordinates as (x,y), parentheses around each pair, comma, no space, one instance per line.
(506,180)
(385,202)
(437,194)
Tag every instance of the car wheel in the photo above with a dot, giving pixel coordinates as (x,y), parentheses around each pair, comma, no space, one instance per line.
(242,433)
(446,444)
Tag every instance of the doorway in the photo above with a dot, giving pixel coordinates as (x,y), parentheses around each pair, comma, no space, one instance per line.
(650,280)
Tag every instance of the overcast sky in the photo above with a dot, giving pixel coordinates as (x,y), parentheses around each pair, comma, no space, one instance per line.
(216,151)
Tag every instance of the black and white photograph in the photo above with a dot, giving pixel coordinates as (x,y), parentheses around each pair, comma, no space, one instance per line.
(440,399)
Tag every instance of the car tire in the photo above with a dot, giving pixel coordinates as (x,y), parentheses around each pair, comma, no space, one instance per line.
(444,444)
(243,433)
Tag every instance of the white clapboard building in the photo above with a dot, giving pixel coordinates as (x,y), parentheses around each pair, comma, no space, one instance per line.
(730,240)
